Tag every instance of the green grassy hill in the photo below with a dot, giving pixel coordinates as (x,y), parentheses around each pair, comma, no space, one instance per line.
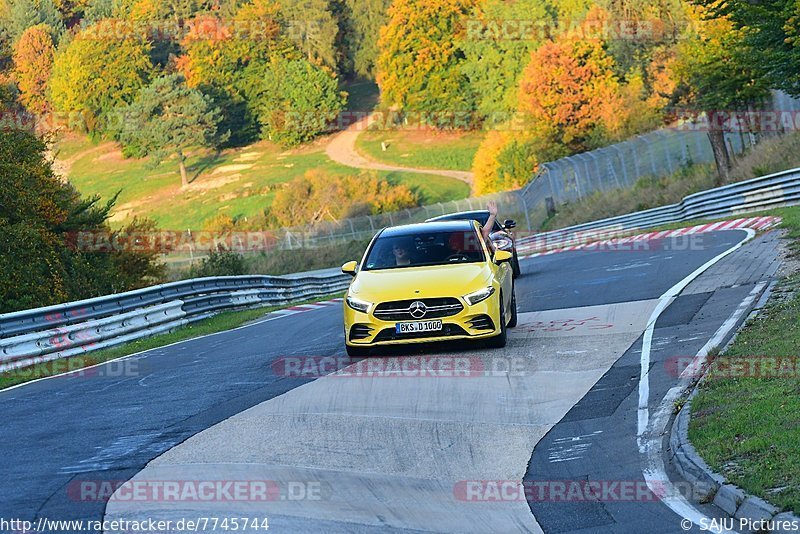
(240,182)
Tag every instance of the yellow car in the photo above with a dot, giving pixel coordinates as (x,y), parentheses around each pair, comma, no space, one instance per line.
(434,281)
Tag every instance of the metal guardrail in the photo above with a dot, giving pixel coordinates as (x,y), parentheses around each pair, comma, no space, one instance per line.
(771,191)
(44,334)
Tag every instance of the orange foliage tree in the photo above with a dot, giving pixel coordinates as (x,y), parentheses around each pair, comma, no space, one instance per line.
(33,63)
(570,86)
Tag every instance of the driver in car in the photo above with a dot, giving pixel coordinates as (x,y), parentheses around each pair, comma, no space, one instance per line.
(402,253)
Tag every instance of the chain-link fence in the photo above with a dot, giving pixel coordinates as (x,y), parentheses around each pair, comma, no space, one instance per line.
(655,154)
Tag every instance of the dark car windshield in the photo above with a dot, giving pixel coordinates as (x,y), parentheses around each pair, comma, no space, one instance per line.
(434,248)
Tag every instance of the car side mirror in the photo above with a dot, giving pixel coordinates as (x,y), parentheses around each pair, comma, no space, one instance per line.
(509,223)
(350,268)
(502,255)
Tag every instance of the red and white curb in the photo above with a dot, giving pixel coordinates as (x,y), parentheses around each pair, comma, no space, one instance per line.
(755,223)
(300,308)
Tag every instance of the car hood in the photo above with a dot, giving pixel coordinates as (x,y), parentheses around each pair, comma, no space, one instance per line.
(421,282)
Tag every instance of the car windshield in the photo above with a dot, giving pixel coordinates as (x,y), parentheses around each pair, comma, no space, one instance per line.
(434,248)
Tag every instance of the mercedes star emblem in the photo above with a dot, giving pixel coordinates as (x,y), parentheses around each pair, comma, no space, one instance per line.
(417,309)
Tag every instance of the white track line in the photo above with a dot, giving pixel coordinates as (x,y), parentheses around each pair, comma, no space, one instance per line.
(649,435)
(654,470)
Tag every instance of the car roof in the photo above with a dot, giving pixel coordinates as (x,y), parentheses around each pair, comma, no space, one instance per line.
(461,215)
(428,228)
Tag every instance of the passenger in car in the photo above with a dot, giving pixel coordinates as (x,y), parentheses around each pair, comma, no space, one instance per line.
(487,228)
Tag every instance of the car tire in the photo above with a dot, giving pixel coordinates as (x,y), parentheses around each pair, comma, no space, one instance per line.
(515,268)
(512,322)
(357,352)
(499,341)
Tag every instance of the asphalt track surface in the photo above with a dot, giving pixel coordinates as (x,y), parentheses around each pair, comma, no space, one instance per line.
(110,423)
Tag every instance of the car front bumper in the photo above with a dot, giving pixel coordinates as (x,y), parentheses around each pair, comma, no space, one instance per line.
(469,323)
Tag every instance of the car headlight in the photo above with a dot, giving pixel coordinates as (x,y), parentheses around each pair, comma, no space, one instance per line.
(479,295)
(502,244)
(357,304)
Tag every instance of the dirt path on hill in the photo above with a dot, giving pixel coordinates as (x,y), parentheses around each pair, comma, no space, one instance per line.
(342,149)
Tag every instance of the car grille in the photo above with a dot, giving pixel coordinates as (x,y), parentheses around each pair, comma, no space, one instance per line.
(481,322)
(398,310)
(389,334)
(359,331)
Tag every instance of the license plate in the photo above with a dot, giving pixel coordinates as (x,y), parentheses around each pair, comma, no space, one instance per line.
(421,326)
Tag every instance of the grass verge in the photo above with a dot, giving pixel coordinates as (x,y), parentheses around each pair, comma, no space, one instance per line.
(218,323)
(746,427)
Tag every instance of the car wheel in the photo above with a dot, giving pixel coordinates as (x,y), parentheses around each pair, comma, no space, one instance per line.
(515,269)
(513,320)
(499,341)
(357,352)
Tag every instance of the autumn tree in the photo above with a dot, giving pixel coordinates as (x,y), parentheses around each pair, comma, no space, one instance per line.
(508,157)
(174,10)
(713,78)
(318,195)
(419,66)
(33,63)
(94,76)
(169,118)
(570,88)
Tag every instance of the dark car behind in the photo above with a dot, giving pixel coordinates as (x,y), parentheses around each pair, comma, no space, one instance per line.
(501,236)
